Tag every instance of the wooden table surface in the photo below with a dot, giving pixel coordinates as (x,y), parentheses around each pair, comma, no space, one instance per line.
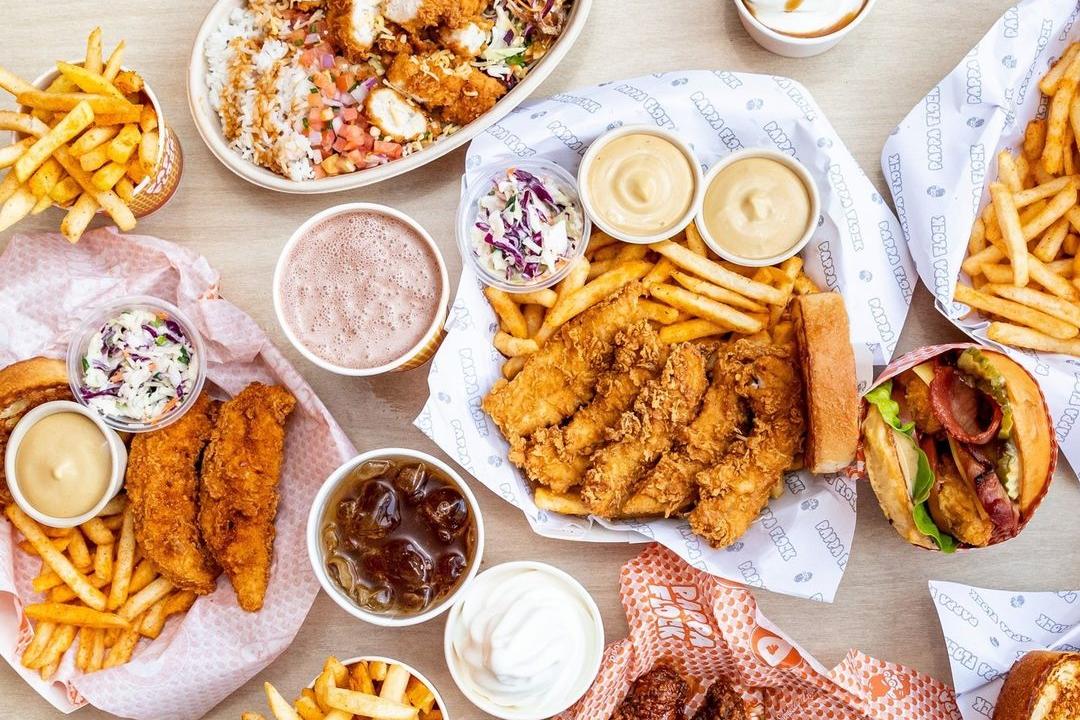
(865,86)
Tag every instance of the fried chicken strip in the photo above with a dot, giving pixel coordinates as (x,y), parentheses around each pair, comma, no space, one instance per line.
(162,484)
(559,456)
(459,93)
(664,406)
(562,374)
(733,492)
(659,694)
(239,497)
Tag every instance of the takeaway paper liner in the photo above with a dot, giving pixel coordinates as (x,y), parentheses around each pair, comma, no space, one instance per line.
(200,658)
(801,543)
(708,629)
(986,631)
(921,355)
(941,156)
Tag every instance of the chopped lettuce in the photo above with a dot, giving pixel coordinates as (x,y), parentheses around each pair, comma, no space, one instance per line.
(881,398)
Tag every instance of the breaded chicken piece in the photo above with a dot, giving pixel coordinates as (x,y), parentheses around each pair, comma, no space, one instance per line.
(239,496)
(722,703)
(354,26)
(162,484)
(415,15)
(733,492)
(659,694)
(955,508)
(454,89)
(396,117)
(558,456)
(644,434)
(561,376)
(468,40)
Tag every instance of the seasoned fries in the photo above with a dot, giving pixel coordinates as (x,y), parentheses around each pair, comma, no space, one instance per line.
(91,130)
(1022,253)
(365,689)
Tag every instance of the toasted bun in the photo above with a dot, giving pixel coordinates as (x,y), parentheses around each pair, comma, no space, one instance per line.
(1042,685)
(1031,431)
(828,370)
(24,386)
(885,468)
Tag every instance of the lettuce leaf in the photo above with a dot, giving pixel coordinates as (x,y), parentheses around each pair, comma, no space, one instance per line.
(881,398)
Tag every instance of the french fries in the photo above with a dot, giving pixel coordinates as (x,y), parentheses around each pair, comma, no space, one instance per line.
(95,114)
(1022,255)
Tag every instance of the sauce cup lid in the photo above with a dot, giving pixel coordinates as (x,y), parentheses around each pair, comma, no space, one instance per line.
(621,131)
(314,539)
(471,193)
(117,457)
(808,182)
(343,209)
(594,654)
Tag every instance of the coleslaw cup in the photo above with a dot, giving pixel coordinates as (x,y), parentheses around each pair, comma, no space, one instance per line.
(467,210)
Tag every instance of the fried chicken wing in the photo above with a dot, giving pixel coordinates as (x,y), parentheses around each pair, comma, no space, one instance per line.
(445,84)
(162,484)
(733,492)
(722,703)
(659,694)
(665,405)
(239,497)
(559,456)
(562,374)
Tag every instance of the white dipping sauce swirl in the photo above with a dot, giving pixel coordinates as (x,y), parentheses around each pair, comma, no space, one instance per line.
(523,639)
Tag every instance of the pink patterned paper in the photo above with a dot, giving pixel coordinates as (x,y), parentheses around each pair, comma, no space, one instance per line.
(48,285)
(709,628)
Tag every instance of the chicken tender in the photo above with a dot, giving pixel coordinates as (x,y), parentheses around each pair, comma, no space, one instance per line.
(665,405)
(722,703)
(659,694)
(162,484)
(733,492)
(396,117)
(415,15)
(354,26)
(955,508)
(239,496)
(455,90)
(559,456)
(469,40)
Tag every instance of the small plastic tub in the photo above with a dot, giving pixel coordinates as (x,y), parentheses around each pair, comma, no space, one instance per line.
(550,174)
(794,46)
(94,321)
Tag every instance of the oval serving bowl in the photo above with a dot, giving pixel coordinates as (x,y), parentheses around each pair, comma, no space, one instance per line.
(209,125)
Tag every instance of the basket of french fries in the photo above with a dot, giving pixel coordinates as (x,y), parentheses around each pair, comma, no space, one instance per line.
(89,137)
(993,216)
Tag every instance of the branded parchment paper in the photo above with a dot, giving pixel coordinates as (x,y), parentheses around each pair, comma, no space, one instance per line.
(986,631)
(200,658)
(801,543)
(709,629)
(939,161)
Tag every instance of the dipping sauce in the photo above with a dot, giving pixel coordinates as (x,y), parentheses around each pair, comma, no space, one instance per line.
(640,184)
(524,639)
(360,289)
(397,536)
(805,18)
(756,208)
(63,465)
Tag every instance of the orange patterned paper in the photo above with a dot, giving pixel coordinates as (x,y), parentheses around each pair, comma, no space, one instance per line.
(710,628)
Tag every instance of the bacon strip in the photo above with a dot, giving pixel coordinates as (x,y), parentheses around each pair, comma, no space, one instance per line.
(991,493)
(956,406)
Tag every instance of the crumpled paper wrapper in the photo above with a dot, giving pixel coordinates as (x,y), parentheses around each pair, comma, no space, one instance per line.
(940,159)
(711,629)
(800,545)
(202,657)
(986,631)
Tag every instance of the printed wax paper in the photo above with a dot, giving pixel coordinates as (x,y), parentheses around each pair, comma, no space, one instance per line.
(939,161)
(710,629)
(801,542)
(203,656)
(986,631)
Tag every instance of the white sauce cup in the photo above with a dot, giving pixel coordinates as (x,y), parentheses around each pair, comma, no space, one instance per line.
(790,45)
(117,456)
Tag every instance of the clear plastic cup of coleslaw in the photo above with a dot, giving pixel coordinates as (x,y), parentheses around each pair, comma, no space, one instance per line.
(173,324)
(484,248)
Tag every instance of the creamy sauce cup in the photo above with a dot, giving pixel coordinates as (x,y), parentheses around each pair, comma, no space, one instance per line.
(415,356)
(589,201)
(317,557)
(487,585)
(795,46)
(803,174)
(412,671)
(117,459)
